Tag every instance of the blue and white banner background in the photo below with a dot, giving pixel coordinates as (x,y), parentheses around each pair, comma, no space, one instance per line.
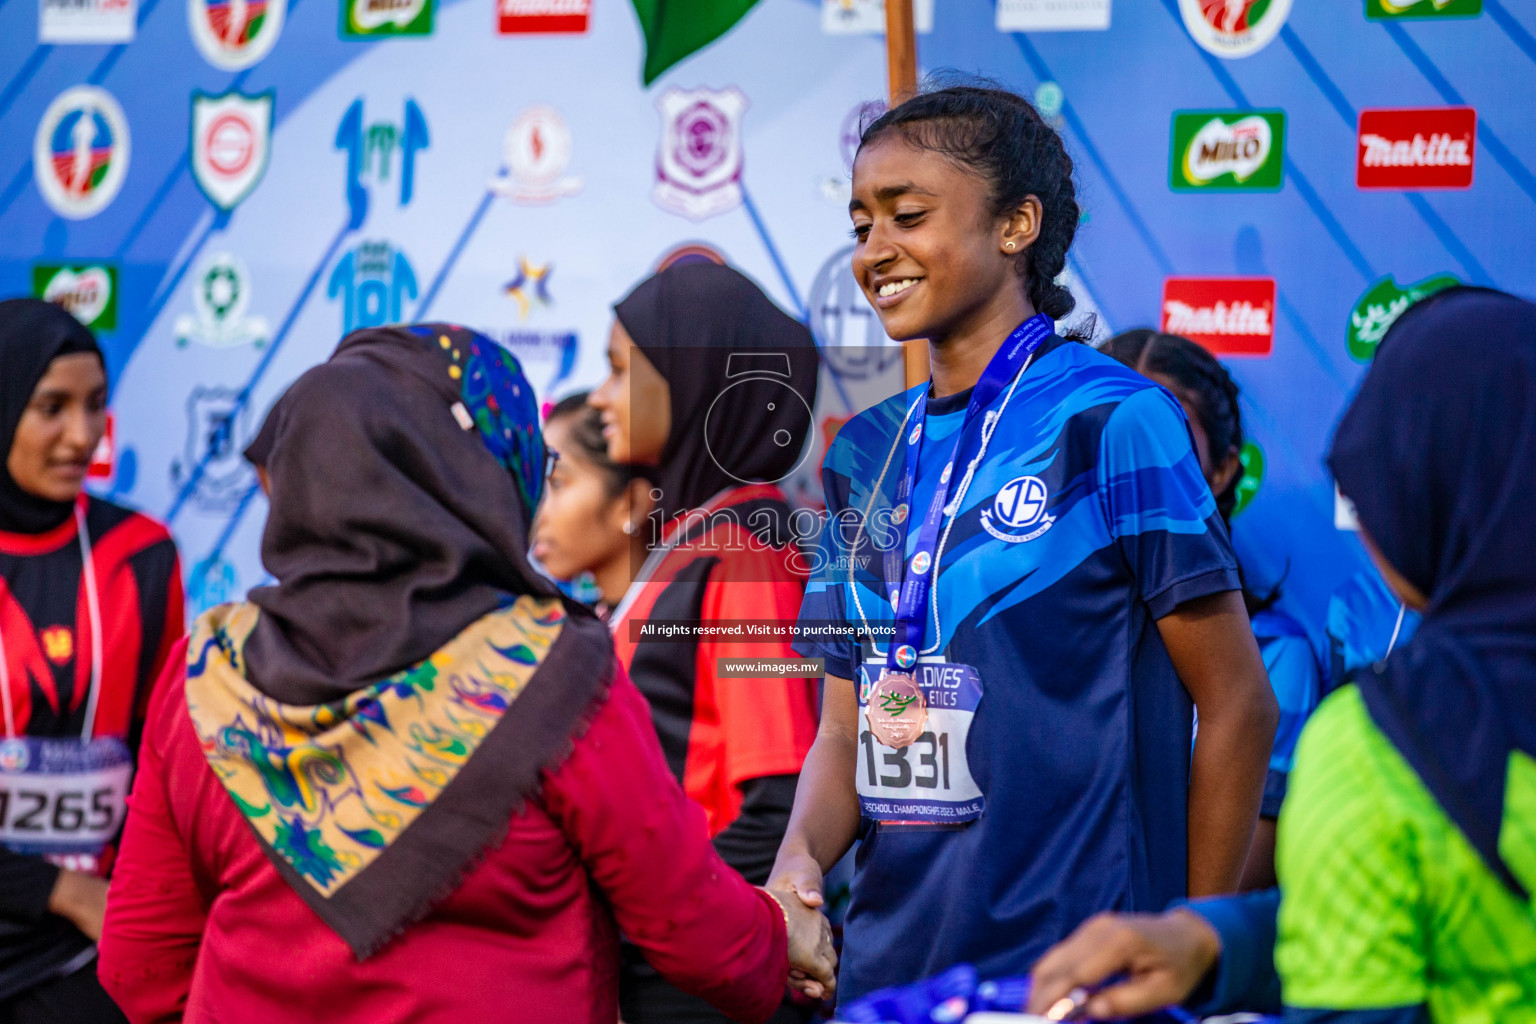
(393,191)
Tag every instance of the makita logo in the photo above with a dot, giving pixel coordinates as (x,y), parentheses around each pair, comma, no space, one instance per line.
(1435,151)
(1238,318)
(1227,315)
(1413,149)
(546,8)
(539,16)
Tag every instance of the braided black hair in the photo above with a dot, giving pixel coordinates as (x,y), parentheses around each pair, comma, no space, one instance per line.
(1201,381)
(1002,138)
(586,431)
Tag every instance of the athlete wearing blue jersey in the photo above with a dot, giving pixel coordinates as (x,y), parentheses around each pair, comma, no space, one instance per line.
(1208,395)
(1043,580)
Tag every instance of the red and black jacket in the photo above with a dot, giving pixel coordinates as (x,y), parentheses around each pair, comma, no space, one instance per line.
(48,645)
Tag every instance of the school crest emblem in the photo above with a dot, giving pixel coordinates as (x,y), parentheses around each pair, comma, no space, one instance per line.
(231,139)
(234,34)
(218,429)
(1234,28)
(535,154)
(221,296)
(80,152)
(698,167)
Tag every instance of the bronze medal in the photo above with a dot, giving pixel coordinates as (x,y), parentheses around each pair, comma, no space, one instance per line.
(897,710)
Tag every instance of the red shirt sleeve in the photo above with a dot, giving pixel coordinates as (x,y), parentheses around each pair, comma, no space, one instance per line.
(646,847)
(155,912)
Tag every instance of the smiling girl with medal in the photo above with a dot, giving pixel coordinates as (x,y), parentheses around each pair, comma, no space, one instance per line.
(1042,584)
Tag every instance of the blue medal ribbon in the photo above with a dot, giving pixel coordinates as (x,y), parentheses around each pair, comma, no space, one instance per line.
(910,604)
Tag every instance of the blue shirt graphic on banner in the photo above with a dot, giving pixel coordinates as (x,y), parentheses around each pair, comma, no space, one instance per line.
(1085,522)
(1364,616)
(1296,678)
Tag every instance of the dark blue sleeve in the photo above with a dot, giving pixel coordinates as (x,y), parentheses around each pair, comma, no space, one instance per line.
(1159,509)
(1245,977)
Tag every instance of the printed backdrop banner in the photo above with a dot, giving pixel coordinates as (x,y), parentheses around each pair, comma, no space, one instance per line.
(225,187)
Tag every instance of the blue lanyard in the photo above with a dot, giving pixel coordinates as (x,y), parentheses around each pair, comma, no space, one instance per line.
(911,603)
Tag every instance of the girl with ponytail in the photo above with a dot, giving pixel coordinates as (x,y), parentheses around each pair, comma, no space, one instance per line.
(1028,584)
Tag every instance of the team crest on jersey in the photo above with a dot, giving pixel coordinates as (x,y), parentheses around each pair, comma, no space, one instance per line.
(218,429)
(234,34)
(1018,511)
(221,296)
(698,168)
(1234,28)
(58,644)
(80,152)
(535,154)
(231,138)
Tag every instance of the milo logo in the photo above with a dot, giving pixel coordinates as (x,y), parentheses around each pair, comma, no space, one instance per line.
(89,291)
(1227,150)
(1386,10)
(362,19)
(1379,308)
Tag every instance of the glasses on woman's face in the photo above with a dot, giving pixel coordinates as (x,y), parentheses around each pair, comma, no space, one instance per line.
(551,460)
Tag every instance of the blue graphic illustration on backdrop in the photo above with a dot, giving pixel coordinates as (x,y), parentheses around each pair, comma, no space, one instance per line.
(372,150)
(853,343)
(373,280)
(212,582)
(218,429)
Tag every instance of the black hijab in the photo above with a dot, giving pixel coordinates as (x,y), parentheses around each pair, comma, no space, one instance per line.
(1438,453)
(707,328)
(33,334)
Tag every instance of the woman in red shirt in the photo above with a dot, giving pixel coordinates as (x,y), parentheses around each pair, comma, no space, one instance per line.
(409,782)
(710,396)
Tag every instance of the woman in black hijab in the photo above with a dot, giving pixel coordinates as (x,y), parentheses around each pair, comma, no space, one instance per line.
(710,395)
(72,568)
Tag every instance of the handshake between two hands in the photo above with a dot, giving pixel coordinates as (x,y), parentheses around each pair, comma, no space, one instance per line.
(812,960)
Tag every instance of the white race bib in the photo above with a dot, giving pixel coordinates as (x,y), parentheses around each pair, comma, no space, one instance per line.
(929,782)
(63,799)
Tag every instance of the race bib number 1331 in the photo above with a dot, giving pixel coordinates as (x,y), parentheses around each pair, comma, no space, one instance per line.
(929,782)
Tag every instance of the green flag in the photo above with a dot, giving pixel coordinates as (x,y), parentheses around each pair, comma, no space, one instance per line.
(675,28)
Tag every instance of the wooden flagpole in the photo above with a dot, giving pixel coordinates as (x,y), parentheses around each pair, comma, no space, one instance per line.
(901,68)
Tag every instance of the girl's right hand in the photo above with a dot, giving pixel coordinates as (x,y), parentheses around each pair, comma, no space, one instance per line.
(800,874)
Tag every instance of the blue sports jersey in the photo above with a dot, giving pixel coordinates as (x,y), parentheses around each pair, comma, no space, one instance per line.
(1297,681)
(1362,616)
(1080,742)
